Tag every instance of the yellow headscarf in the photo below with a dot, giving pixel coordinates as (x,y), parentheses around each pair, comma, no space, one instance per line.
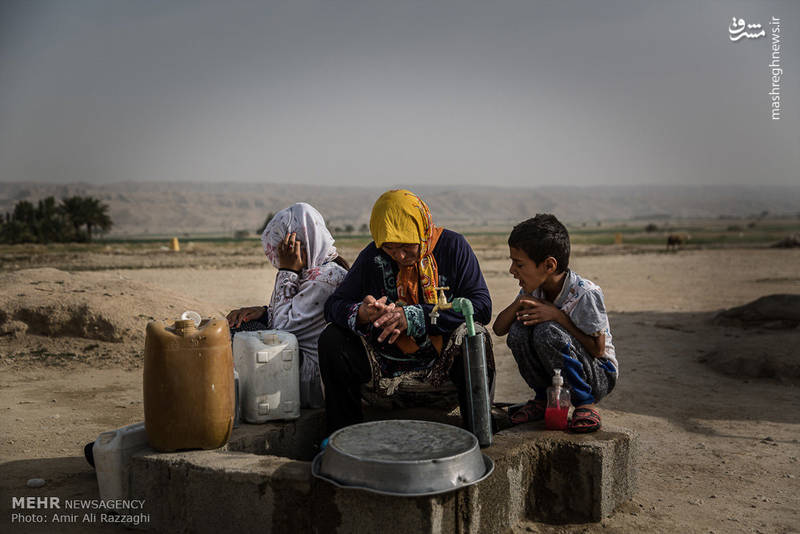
(400,216)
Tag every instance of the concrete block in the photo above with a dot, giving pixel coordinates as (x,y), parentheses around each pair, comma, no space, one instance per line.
(346,510)
(551,477)
(565,477)
(215,491)
(540,475)
(298,439)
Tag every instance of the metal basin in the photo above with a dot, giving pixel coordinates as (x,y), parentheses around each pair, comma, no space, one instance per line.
(402,458)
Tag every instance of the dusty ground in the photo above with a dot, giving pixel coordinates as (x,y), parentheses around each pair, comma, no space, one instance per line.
(719,451)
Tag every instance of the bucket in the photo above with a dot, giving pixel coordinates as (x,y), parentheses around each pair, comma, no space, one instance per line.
(112,455)
(268,362)
(188,385)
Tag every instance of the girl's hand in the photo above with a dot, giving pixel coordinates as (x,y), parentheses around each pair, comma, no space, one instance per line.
(242,315)
(534,311)
(290,253)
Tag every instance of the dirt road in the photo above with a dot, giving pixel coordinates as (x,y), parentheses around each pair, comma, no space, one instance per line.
(719,452)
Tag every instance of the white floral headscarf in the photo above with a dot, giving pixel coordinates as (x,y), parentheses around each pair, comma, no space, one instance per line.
(310,228)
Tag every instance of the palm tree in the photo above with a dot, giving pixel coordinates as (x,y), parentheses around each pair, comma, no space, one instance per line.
(87,211)
(72,207)
(49,221)
(24,212)
(20,225)
(96,214)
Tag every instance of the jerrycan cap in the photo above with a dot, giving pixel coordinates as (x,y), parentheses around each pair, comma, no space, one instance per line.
(558,380)
(193,316)
(184,326)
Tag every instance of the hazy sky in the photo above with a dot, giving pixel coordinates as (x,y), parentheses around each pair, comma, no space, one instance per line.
(399,92)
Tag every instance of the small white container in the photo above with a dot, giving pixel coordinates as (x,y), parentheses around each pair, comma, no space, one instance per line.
(268,362)
(112,455)
(237,403)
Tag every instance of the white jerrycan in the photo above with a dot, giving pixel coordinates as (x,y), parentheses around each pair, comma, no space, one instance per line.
(112,456)
(268,362)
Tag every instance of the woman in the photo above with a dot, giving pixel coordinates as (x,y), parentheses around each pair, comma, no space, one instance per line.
(297,242)
(380,332)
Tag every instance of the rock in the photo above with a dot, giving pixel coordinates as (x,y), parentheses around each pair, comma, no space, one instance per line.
(773,310)
(13,328)
(36,483)
(747,357)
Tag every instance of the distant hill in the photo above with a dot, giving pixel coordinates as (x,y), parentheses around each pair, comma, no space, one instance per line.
(158,208)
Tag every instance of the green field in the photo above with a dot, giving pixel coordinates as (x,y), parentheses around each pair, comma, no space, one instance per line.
(702,233)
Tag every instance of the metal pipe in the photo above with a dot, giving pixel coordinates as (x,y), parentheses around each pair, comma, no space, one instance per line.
(479,414)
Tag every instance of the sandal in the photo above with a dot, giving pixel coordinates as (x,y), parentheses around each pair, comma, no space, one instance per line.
(584,420)
(533,410)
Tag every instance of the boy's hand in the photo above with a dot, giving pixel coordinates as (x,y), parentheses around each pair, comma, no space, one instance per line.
(534,311)
(519,302)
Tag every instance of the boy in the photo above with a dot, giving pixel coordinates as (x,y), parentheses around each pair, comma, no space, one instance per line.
(558,321)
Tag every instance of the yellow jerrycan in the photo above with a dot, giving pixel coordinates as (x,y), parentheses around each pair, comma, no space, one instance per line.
(188,385)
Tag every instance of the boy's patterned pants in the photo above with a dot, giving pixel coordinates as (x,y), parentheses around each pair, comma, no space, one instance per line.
(541,348)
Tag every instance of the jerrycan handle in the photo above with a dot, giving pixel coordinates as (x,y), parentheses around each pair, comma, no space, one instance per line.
(270,338)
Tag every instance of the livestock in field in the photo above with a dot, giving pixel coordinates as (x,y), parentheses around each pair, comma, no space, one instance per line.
(675,241)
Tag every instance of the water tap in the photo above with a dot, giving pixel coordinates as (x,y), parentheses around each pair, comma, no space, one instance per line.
(441,303)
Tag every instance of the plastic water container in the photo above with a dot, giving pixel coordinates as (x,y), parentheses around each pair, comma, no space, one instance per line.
(268,362)
(188,385)
(237,404)
(112,456)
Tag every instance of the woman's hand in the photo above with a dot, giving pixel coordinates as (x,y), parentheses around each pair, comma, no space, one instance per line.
(242,315)
(390,317)
(290,253)
(533,311)
(370,309)
(393,322)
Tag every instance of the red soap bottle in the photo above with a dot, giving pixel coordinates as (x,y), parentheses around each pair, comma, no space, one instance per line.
(555,415)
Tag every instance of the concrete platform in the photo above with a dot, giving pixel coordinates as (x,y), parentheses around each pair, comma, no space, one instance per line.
(261,482)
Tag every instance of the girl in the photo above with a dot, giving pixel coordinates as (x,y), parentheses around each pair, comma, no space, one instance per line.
(299,245)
